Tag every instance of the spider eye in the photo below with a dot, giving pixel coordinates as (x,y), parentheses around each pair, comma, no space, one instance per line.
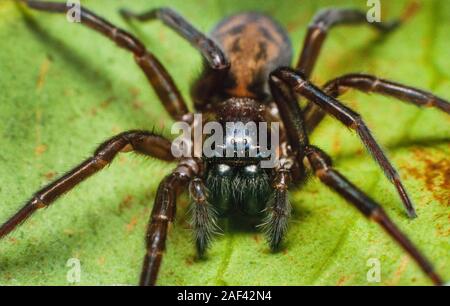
(223,168)
(251,169)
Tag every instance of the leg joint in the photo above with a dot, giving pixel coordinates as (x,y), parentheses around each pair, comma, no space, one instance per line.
(99,163)
(38,202)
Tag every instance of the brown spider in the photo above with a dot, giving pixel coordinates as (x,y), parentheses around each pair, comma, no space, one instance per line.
(245,79)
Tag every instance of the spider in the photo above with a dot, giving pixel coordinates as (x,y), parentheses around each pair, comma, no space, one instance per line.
(246,78)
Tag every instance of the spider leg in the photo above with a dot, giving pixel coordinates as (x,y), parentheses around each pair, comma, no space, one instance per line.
(371,84)
(291,115)
(279,210)
(322,167)
(217,64)
(321,164)
(163,213)
(155,72)
(349,118)
(211,52)
(318,30)
(204,216)
(324,21)
(139,141)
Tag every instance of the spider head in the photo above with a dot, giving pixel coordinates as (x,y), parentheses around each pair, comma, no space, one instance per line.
(245,137)
(235,173)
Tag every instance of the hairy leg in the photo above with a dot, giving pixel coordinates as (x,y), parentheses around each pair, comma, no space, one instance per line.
(138,141)
(157,75)
(211,52)
(322,23)
(163,213)
(372,84)
(278,212)
(349,118)
(322,167)
(320,163)
(204,216)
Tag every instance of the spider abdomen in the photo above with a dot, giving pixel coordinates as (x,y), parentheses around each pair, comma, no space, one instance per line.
(255,45)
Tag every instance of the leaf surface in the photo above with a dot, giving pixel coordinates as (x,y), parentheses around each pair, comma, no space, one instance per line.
(64,89)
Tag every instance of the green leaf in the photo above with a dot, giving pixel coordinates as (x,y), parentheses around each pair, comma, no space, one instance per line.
(64,89)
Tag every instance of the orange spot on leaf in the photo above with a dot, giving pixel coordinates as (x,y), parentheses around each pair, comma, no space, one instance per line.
(435,173)
(132,224)
(50,175)
(126,203)
(40,149)
(43,71)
